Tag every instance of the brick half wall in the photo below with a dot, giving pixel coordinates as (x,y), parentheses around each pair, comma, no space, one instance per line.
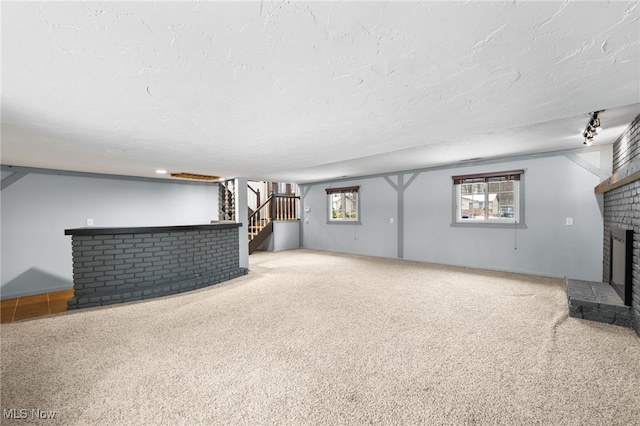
(123,267)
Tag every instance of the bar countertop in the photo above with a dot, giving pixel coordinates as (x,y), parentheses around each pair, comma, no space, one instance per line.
(93,230)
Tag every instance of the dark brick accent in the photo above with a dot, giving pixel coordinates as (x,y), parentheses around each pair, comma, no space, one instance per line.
(116,268)
(622,209)
(627,147)
(597,302)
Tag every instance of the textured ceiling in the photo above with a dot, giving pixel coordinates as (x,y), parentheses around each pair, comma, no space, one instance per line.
(304,91)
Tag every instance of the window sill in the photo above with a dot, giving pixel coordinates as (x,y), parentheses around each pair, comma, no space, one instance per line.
(488,225)
(344,222)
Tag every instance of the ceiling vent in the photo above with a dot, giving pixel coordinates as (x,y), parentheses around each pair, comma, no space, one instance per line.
(194,176)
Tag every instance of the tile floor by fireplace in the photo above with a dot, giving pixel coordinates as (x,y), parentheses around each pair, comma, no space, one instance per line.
(34,306)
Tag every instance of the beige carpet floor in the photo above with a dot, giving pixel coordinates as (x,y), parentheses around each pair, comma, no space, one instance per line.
(314,338)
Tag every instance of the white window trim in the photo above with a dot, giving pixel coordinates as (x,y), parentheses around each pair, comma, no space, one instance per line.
(518,221)
(343,221)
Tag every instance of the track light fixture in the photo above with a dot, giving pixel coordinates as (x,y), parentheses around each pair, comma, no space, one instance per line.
(592,128)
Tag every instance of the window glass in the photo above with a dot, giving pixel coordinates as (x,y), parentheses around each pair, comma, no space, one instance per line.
(491,198)
(343,205)
(472,200)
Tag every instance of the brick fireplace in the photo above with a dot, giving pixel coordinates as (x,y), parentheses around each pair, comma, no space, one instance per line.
(622,207)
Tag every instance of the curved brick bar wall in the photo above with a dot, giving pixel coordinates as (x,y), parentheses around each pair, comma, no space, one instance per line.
(115,265)
(622,209)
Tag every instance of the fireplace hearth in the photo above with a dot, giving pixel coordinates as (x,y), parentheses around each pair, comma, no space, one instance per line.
(608,302)
(597,301)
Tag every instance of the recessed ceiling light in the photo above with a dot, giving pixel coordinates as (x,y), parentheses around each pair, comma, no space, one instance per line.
(161,172)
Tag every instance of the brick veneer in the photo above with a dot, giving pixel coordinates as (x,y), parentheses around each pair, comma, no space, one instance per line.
(597,301)
(622,209)
(121,267)
(627,147)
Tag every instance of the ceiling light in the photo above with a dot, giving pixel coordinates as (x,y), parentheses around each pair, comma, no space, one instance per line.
(161,172)
(592,128)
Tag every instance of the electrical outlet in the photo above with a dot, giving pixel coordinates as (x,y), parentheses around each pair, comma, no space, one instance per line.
(390,220)
(89,222)
(569,221)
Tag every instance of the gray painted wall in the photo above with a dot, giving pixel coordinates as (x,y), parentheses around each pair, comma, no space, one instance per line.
(375,236)
(555,188)
(285,236)
(36,255)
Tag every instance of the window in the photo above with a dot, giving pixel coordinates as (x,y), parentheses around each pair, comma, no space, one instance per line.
(492,198)
(343,205)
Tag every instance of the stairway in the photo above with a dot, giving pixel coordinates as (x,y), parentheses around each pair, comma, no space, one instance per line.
(258,232)
(260,223)
(256,227)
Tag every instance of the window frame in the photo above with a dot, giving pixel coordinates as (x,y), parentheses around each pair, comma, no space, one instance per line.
(343,220)
(518,221)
